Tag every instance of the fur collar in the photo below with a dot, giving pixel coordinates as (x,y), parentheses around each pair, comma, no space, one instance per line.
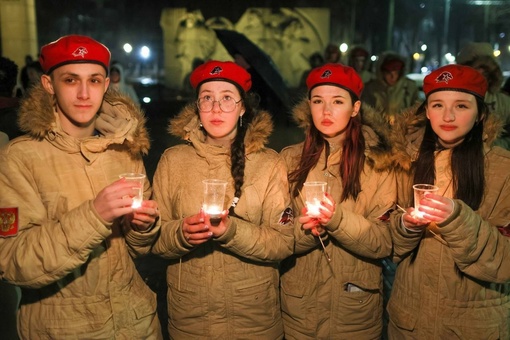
(119,119)
(187,123)
(408,130)
(375,130)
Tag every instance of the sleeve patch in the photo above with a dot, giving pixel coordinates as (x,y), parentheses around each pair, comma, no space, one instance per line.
(8,222)
(287,216)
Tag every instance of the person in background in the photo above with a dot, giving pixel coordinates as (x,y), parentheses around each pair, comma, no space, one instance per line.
(34,72)
(391,91)
(315,60)
(118,82)
(332,287)
(480,56)
(359,60)
(9,103)
(452,280)
(68,229)
(223,278)
(24,78)
(187,89)
(332,54)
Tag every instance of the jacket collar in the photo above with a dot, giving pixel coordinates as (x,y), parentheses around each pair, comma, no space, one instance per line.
(409,128)
(119,121)
(186,126)
(374,127)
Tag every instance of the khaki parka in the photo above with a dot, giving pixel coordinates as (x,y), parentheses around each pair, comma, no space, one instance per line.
(76,270)
(341,299)
(453,280)
(226,288)
(387,100)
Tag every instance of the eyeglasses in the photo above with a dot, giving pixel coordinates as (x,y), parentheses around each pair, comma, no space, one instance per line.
(227,104)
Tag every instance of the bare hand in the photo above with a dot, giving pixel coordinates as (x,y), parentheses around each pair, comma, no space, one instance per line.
(316,224)
(196,230)
(436,208)
(144,217)
(220,228)
(114,201)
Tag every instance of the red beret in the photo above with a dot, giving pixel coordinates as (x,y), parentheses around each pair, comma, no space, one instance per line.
(455,78)
(392,65)
(336,75)
(73,49)
(221,70)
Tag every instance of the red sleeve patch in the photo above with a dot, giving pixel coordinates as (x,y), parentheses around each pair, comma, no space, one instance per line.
(505,230)
(8,222)
(287,216)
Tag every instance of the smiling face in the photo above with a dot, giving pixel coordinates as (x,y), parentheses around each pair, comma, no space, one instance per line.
(221,127)
(79,90)
(332,109)
(452,115)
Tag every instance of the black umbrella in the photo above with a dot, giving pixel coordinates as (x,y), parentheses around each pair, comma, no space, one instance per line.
(237,43)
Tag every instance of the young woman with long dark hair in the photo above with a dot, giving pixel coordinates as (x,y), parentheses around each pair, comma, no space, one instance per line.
(332,287)
(453,279)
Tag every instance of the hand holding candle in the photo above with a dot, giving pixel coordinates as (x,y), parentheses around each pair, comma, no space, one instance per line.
(420,190)
(137,181)
(314,195)
(214,199)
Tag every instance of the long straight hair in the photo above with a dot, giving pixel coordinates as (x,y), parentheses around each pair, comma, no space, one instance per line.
(351,162)
(467,160)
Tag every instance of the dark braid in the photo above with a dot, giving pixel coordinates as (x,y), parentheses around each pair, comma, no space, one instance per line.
(237,148)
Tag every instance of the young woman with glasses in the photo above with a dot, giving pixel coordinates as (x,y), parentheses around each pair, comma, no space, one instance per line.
(223,279)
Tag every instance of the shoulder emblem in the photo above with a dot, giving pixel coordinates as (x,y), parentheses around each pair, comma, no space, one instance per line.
(8,222)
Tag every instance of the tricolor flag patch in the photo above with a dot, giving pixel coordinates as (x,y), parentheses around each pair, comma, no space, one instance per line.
(8,222)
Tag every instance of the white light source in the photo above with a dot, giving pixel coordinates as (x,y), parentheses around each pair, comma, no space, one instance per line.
(423,47)
(450,57)
(344,47)
(146,100)
(145,52)
(127,48)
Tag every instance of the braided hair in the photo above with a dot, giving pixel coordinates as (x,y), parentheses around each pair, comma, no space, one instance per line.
(238,149)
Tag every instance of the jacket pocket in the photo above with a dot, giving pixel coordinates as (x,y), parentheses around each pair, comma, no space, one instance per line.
(358,307)
(255,305)
(294,302)
(401,318)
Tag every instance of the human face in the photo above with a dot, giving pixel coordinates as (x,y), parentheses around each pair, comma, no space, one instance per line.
(391,77)
(452,115)
(332,109)
(79,90)
(221,127)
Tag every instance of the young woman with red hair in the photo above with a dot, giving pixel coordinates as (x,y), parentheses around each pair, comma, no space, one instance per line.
(332,284)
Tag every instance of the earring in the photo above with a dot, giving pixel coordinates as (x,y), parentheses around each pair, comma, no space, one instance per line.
(241,121)
(200,124)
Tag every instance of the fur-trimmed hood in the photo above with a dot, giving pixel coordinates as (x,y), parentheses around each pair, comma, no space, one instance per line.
(375,130)
(409,128)
(119,121)
(186,123)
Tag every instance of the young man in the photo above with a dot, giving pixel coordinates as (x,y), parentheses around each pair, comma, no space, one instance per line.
(68,230)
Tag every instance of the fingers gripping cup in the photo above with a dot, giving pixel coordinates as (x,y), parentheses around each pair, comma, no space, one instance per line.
(137,189)
(420,190)
(214,199)
(314,195)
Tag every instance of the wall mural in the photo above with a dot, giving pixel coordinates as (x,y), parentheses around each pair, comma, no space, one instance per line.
(288,35)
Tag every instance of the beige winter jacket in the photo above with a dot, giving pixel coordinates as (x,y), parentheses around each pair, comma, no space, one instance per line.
(226,288)
(341,299)
(389,101)
(76,270)
(455,284)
